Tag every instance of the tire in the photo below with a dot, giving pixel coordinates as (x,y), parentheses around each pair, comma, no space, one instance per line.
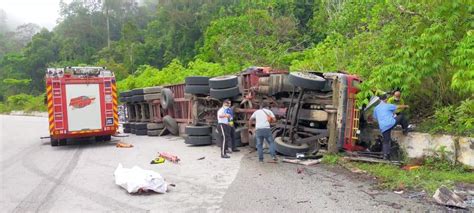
(289,149)
(133,131)
(127,130)
(122,99)
(140,126)
(167,99)
(150,97)
(150,90)
(127,99)
(54,142)
(141,132)
(196,80)
(224,93)
(171,125)
(306,80)
(238,142)
(107,137)
(125,94)
(62,142)
(136,92)
(198,140)
(223,82)
(138,98)
(153,126)
(196,89)
(155,132)
(198,130)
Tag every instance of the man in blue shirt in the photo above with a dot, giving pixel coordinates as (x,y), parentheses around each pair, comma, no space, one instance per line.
(387,119)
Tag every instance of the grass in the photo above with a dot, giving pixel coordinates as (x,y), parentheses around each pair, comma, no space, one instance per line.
(433,173)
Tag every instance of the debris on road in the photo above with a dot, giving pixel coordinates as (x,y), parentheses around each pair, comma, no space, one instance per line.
(410,167)
(123,145)
(446,197)
(158,160)
(121,135)
(302,162)
(398,192)
(136,180)
(416,195)
(201,158)
(168,156)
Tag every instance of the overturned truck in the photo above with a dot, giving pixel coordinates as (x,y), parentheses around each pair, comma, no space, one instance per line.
(314,110)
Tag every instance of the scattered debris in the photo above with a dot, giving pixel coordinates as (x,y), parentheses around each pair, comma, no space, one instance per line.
(370,160)
(170,157)
(410,167)
(303,201)
(158,160)
(417,194)
(299,170)
(136,180)
(123,145)
(201,158)
(371,194)
(446,197)
(121,135)
(398,192)
(357,170)
(302,162)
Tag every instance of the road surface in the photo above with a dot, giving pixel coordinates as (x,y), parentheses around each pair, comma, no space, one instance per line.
(79,178)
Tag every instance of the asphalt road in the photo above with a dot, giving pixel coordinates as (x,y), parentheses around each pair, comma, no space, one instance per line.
(79,178)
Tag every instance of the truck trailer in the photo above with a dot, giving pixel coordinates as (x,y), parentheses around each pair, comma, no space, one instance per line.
(81,102)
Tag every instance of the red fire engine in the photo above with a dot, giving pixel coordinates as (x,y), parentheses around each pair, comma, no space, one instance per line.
(82,102)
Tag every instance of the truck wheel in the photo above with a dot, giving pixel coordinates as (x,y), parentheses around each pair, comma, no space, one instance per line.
(198,130)
(225,93)
(167,99)
(150,97)
(107,137)
(62,142)
(289,149)
(155,132)
(141,132)
(140,126)
(196,89)
(125,130)
(307,80)
(198,140)
(54,142)
(150,90)
(196,80)
(171,125)
(153,126)
(223,82)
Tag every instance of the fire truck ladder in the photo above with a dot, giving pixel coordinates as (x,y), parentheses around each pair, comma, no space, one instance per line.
(57,104)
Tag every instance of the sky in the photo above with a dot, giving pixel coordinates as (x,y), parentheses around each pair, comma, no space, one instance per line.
(41,12)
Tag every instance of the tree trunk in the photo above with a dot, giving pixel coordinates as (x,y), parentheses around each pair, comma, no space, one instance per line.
(108,27)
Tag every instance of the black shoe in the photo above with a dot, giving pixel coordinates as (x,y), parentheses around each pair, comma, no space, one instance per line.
(236,150)
(225,156)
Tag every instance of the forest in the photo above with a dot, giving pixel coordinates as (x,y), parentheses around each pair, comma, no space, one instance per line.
(424,48)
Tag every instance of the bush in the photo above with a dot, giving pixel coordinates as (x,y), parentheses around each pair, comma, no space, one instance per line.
(23,102)
(458,120)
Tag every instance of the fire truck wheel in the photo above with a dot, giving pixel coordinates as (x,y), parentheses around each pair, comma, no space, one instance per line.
(198,140)
(167,99)
(54,142)
(153,126)
(196,89)
(223,82)
(225,93)
(306,80)
(140,126)
(197,130)
(141,132)
(107,137)
(151,90)
(171,125)
(197,80)
(289,149)
(62,142)
(150,97)
(155,132)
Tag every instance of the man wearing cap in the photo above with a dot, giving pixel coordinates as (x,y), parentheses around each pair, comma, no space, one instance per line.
(225,127)
(384,113)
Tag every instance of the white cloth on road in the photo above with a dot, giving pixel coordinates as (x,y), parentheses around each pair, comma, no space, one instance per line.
(137,178)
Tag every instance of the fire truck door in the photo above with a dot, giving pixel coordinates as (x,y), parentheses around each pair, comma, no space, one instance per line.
(83,107)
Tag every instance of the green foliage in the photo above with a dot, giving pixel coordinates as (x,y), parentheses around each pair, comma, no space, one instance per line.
(331,159)
(23,102)
(458,120)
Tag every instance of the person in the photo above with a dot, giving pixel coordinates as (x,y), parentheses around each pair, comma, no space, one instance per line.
(384,114)
(263,117)
(397,100)
(225,127)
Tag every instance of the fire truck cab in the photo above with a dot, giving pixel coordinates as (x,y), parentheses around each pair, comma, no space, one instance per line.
(81,102)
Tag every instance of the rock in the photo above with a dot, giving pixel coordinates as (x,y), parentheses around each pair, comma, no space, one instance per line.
(446,197)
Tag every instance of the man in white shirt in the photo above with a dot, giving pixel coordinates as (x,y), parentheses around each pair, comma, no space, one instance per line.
(224,126)
(263,118)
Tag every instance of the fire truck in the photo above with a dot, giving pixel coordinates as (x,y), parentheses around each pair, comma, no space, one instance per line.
(315,111)
(81,102)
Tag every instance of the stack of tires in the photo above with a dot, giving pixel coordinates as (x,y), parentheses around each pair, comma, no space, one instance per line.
(125,97)
(197,85)
(198,135)
(154,129)
(139,128)
(224,87)
(151,94)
